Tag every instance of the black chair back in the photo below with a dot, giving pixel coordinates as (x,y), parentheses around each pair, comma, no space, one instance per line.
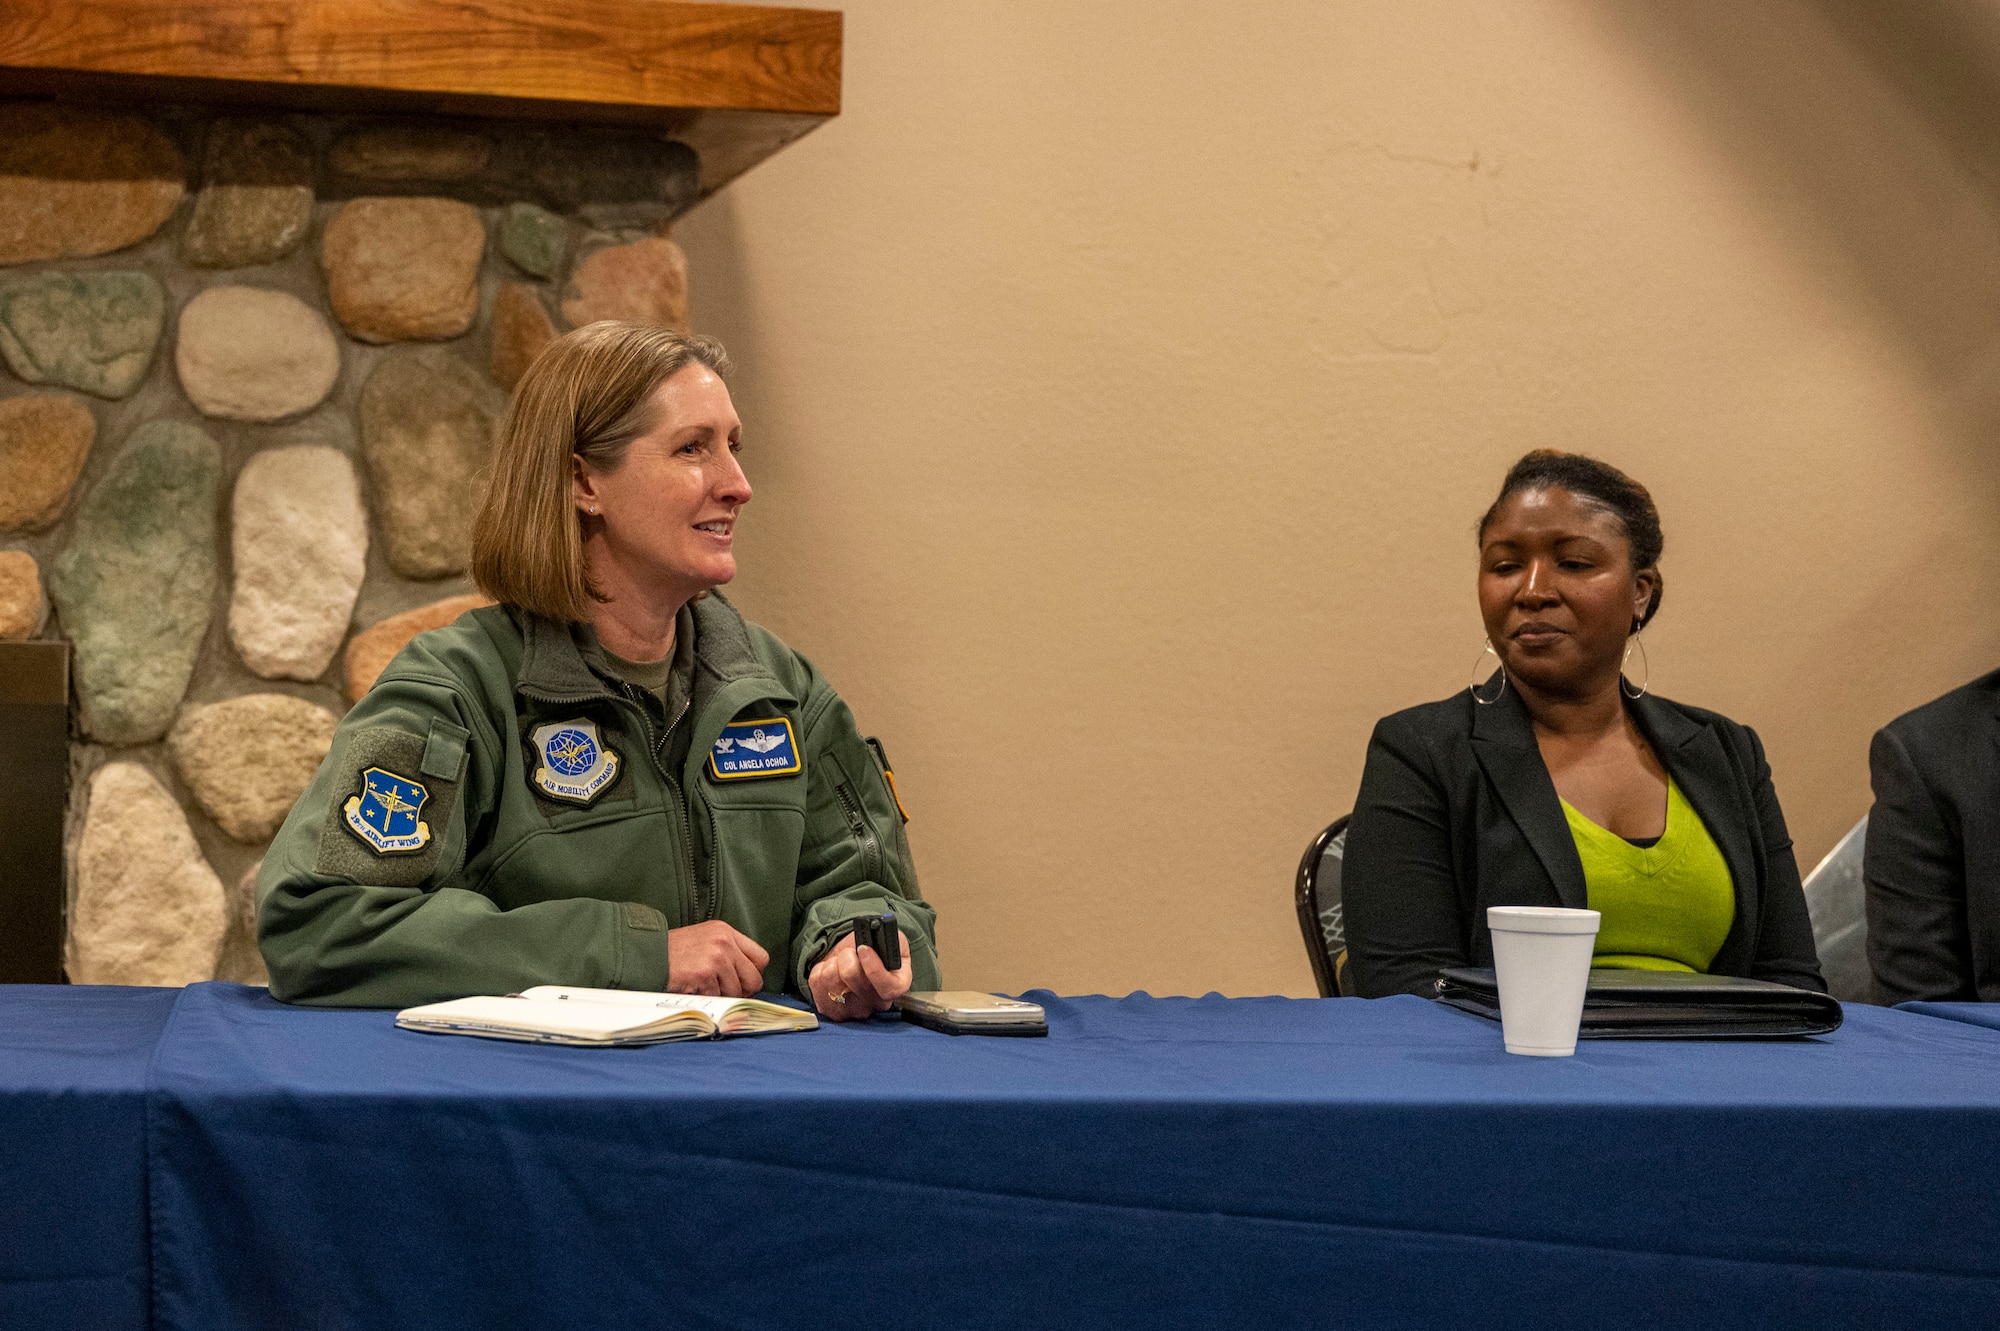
(1317,895)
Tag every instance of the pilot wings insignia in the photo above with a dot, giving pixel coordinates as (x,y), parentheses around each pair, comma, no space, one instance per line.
(763,747)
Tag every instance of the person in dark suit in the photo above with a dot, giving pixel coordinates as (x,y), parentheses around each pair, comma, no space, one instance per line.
(1931,860)
(1558,782)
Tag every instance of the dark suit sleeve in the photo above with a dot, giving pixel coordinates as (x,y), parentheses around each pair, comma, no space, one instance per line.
(1399,895)
(1785,951)
(1919,945)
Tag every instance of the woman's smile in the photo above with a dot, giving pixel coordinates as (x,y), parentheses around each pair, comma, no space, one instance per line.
(681,475)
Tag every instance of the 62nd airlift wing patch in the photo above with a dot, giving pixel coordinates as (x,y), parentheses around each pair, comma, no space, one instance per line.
(383,813)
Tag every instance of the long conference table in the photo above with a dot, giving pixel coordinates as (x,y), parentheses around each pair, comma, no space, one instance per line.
(210,1159)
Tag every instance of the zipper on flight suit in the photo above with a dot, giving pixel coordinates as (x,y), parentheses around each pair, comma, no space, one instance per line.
(714,906)
(871,850)
(681,828)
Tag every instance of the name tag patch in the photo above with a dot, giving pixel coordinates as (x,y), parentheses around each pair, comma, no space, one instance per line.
(754,748)
(576,764)
(383,813)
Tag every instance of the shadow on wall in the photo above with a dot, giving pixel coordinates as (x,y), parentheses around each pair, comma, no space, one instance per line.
(1867,133)
(1943,58)
(1868,130)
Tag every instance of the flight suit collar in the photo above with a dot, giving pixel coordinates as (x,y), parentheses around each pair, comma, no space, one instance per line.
(554,667)
(722,641)
(552,664)
(729,676)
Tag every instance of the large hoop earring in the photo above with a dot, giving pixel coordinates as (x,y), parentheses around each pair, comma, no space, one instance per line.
(1638,641)
(1473,687)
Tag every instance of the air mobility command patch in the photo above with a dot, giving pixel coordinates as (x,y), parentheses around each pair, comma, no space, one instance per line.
(383,813)
(576,765)
(754,748)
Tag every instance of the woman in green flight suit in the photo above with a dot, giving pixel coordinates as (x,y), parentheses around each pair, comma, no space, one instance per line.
(609,778)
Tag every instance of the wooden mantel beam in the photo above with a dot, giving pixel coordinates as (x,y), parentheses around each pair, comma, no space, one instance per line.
(626,55)
(736,82)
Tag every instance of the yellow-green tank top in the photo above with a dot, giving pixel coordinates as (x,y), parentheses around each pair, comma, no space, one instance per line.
(1666,907)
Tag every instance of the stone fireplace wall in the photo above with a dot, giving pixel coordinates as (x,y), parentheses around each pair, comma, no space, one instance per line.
(252,367)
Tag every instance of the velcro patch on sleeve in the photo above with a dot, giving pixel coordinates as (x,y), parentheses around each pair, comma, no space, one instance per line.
(388,826)
(444,751)
(640,916)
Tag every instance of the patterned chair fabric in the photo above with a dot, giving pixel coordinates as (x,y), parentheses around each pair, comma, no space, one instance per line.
(1317,895)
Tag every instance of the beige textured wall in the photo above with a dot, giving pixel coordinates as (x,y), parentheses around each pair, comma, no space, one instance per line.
(1122,380)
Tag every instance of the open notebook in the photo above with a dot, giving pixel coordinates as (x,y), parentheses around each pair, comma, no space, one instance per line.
(556,1014)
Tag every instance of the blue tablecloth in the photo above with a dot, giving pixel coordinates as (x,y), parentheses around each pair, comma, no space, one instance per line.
(1978,1014)
(1154,1162)
(73,1153)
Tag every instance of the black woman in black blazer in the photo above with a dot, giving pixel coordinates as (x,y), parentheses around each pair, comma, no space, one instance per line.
(1932,855)
(1457,813)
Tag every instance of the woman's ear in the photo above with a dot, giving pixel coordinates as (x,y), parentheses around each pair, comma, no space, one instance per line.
(583,487)
(1645,591)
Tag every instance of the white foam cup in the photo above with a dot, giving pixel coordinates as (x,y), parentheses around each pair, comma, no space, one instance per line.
(1541,960)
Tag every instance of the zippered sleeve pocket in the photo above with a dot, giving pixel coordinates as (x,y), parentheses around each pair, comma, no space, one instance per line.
(863,830)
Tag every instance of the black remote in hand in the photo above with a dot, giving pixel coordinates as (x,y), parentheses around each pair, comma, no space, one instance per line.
(879,932)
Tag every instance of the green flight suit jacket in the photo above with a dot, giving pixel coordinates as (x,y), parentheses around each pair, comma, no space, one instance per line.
(494,814)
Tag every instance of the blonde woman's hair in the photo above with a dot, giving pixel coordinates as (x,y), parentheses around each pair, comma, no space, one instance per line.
(587,396)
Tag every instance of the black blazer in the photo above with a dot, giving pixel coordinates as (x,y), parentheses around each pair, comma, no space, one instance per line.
(1932,855)
(1457,813)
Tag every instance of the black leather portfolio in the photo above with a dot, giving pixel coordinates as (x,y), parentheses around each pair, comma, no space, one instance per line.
(1666,1005)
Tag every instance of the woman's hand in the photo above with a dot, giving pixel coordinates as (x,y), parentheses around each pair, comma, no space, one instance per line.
(713,958)
(851,983)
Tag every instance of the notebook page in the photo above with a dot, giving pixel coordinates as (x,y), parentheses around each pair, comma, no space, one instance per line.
(576,1021)
(731,1015)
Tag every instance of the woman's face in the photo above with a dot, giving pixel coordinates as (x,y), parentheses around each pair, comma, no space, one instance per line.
(1557,589)
(666,516)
